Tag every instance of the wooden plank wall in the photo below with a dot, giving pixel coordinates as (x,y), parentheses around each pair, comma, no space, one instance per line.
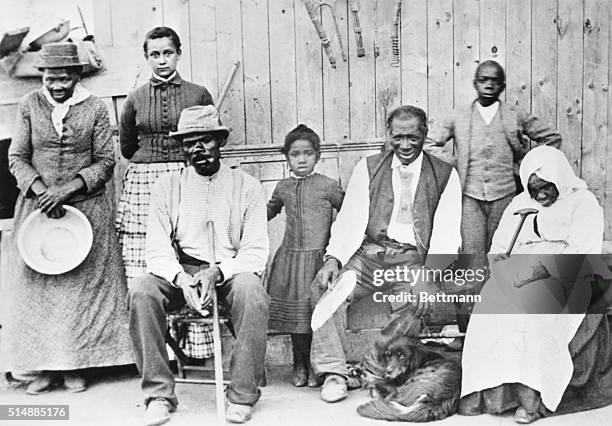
(556,53)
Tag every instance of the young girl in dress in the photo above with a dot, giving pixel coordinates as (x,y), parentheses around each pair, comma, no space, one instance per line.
(309,199)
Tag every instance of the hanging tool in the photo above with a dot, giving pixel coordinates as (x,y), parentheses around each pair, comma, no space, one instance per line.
(227,84)
(315,17)
(395,35)
(356,24)
(314,10)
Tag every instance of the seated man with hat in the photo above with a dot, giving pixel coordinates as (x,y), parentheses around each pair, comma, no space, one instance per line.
(401,208)
(178,254)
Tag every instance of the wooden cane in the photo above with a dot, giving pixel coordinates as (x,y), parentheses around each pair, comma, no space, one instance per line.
(220,398)
(523,213)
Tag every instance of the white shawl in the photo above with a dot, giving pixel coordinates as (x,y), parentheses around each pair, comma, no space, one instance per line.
(532,349)
(61,109)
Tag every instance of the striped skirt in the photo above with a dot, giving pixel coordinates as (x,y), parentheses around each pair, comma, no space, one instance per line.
(131,226)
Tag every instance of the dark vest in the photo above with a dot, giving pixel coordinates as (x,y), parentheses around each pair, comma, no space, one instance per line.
(433,180)
(490,174)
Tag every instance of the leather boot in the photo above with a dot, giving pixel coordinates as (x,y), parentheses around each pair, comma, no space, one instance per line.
(301,358)
(300,370)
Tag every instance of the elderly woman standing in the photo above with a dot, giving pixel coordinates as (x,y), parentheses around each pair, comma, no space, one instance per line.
(529,346)
(62,153)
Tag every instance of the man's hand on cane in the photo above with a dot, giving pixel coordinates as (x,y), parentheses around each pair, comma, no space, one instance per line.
(189,285)
(208,279)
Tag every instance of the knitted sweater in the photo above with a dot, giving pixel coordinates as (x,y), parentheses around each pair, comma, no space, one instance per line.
(152,111)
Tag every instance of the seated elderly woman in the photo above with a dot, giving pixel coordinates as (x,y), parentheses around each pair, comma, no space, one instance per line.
(62,154)
(530,346)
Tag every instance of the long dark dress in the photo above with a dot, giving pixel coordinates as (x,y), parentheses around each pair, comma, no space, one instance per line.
(309,203)
(78,319)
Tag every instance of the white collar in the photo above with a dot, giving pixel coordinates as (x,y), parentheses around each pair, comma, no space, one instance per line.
(493,106)
(301,177)
(165,80)
(488,112)
(413,167)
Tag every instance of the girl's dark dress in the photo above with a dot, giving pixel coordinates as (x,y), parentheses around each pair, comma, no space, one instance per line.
(309,203)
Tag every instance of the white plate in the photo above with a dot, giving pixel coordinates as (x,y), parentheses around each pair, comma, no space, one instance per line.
(332,299)
(55,246)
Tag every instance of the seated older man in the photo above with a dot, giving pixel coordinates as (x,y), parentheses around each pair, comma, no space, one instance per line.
(413,211)
(178,261)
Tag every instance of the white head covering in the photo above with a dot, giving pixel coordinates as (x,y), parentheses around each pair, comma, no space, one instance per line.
(550,164)
(573,223)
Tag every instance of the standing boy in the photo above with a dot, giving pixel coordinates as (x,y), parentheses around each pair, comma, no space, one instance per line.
(489,140)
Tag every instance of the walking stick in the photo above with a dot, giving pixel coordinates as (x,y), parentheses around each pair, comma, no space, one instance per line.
(523,213)
(210,231)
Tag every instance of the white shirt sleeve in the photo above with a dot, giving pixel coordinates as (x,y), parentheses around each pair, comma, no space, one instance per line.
(159,254)
(446,232)
(254,243)
(352,220)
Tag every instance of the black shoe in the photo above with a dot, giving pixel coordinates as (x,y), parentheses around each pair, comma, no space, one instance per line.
(300,375)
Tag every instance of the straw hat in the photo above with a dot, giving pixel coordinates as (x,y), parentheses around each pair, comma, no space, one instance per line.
(55,246)
(200,119)
(58,55)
